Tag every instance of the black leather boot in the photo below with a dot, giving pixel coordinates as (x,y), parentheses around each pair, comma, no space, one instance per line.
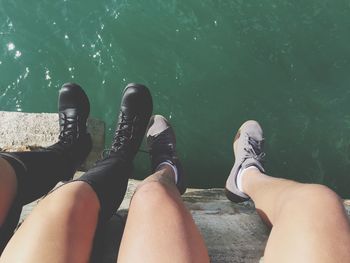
(73,109)
(109,177)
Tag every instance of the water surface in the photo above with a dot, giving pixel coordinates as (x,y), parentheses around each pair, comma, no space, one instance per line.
(210,65)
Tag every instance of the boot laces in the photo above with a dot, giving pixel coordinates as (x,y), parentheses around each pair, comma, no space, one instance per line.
(254,149)
(69,128)
(123,133)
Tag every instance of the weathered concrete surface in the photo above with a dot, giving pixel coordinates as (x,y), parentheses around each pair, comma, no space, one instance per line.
(25,131)
(233,233)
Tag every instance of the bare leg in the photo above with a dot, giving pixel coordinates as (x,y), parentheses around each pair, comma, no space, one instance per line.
(8,188)
(309,222)
(60,229)
(159,228)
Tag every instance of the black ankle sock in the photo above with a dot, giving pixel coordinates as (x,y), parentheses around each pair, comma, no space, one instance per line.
(109,179)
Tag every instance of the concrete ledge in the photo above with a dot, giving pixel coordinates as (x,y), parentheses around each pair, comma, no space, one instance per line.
(26,131)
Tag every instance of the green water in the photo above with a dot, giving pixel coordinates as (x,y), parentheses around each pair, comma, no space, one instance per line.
(210,65)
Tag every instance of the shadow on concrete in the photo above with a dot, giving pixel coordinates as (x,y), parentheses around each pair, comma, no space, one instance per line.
(108,238)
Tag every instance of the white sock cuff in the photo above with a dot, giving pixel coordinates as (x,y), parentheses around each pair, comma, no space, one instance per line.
(239,177)
(172,166)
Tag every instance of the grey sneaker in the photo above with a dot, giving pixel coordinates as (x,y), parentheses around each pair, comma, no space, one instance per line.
(247,148)
(161,142)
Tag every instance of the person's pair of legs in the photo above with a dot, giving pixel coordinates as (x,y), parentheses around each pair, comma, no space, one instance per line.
(26,176)
(309,223)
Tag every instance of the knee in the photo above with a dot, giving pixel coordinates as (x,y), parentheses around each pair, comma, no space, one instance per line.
(318,193)
(312,197)
(74,199)
(150,194)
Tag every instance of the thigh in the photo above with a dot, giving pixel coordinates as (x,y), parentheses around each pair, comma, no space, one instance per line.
(301,237)
(59,230)
(160,229)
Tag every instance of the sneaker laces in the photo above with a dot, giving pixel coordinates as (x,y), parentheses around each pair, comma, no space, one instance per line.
(69,128)
(254,149)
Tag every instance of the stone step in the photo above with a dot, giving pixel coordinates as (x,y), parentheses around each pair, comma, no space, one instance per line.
(25,131)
